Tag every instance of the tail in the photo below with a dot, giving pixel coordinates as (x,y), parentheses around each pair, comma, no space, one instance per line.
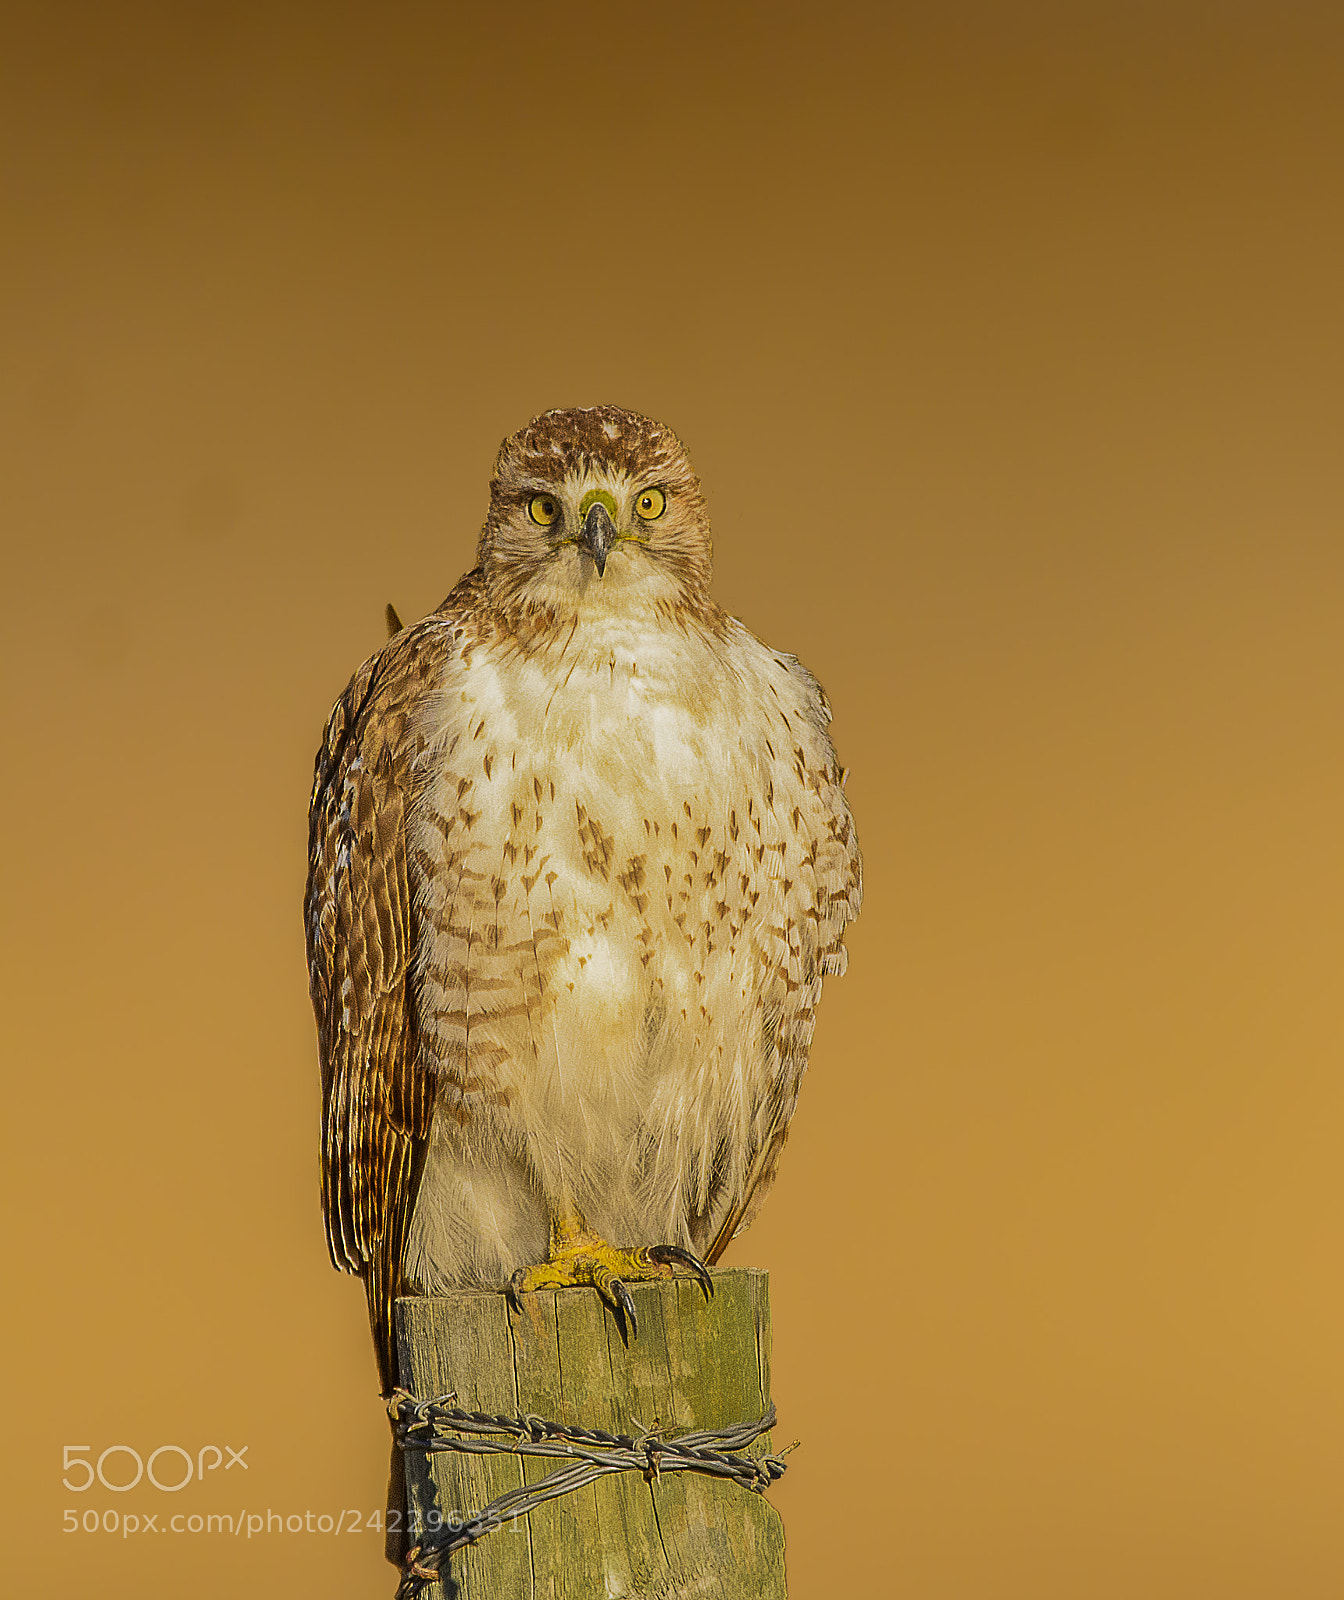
(397,1533)
(382,1311)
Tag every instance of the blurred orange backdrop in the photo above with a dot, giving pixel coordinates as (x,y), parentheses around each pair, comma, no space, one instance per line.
(1008,343)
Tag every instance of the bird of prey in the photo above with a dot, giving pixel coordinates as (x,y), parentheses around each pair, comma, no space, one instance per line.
(579,859)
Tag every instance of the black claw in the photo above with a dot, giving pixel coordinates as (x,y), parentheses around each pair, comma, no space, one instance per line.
(665,1254)
(627,1304)
(514,1290)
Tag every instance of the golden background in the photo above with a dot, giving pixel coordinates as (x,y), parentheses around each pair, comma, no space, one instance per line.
(1008,343)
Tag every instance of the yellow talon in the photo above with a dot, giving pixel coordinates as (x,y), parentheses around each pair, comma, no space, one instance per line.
(578,1256)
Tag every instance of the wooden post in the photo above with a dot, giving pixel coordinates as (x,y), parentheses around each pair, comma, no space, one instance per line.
(693,1365)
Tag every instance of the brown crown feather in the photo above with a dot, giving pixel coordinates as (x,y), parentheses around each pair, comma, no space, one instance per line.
(559,442)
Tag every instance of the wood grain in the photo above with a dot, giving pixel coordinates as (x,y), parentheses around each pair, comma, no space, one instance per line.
(693,1365)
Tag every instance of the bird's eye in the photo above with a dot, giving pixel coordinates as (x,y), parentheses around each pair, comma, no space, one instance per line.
(543,509)
(651,504)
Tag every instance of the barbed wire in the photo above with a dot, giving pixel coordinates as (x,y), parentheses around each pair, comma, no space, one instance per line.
(429,1427)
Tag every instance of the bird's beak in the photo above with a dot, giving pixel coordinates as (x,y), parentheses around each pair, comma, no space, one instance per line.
(599,534)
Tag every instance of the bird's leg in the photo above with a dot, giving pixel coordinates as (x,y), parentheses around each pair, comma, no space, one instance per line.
(577,1256)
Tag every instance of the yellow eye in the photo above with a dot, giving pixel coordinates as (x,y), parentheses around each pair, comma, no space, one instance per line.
(542,508)
(651,504)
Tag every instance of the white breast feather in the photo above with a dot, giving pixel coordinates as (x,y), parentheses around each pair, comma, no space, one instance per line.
(605,855)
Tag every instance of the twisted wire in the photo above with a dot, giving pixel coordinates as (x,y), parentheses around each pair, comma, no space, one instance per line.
(428,1427)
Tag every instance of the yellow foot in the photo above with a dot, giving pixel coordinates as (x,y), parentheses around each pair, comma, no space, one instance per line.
(580,1257)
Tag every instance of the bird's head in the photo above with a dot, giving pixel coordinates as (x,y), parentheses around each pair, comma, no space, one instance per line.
(595,509)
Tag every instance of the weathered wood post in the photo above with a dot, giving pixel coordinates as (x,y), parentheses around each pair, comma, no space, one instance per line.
(695,1365)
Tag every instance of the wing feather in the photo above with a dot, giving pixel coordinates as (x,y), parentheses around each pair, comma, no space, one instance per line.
(377,1095)
(810,875)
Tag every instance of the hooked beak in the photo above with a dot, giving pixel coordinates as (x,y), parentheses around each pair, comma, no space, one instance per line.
(598,536)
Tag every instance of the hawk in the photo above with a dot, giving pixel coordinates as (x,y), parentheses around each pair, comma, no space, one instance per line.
(579,860)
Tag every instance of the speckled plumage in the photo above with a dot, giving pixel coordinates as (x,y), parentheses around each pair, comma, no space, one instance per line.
(580,858)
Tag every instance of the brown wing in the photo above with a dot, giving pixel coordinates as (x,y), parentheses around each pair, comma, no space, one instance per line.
(377,1098)
(802,818)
